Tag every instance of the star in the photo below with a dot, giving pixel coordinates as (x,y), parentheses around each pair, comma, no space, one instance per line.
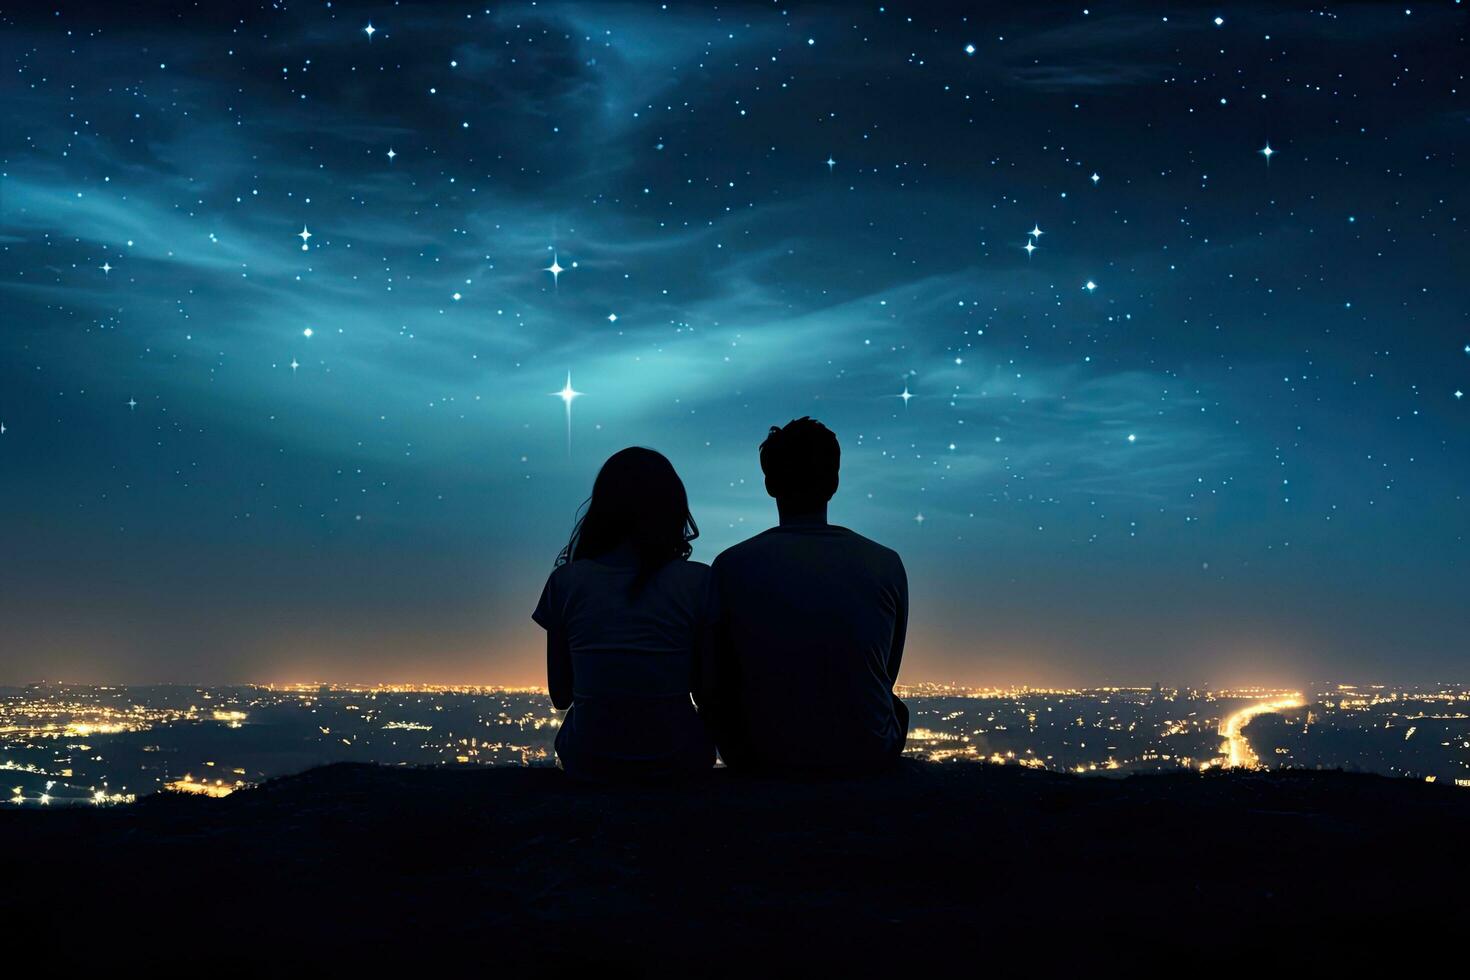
(1030,247)
(969,49)
(919,518)
(2,428)
(830,164)
(391,154)
(307,332)
(905,395)
(132,402)
(105,267)
(1094,178)
(370,30)
(1035,231)
(1089,285)
(1132,437)
(1266,152)
(555,268)
(568,394)
(612,318)
(1459,394)
(304,235)
(294,365)
(1219,21)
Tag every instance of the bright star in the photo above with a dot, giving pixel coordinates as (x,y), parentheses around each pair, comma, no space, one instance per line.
(105,267)
(568,394)
(1090,286)
(132,402)
(1219,21)
(555,268)
(456,297)
(370,30)
(304,235)
(1459,394)
(1132,437)
(307,332)
(919,518)
(1094,178)
(1035,231)
(905,395)
(830,164)
(1266,152)
(969,49)
(294,365)
(1030,247)
(391,154)
(612,318)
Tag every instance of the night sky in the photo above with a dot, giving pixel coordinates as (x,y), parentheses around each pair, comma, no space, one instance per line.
(287,300)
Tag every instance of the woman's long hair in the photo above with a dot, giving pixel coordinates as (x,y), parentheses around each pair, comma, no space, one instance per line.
(637,499)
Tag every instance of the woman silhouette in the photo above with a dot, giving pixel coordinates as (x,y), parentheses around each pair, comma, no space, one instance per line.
(624,614)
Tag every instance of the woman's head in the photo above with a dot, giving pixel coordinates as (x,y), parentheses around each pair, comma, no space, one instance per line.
(637,500)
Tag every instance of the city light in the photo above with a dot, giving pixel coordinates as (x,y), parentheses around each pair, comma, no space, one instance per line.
(101,746)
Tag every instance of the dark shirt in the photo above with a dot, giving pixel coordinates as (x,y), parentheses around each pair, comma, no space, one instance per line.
(623,667)
(809,624)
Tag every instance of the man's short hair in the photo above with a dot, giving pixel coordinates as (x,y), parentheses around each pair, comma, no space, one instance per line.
(800,461)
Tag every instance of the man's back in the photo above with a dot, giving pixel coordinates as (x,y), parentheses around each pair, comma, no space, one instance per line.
(811,621)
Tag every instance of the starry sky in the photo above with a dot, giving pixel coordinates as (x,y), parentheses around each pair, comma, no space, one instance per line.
(290,292)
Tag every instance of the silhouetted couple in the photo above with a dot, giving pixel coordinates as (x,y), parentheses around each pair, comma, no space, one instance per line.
(783,654)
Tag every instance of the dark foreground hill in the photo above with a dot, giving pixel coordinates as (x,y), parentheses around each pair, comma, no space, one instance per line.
(960,865)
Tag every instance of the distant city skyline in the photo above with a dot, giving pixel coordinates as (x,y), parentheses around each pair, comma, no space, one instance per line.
(1143,330)
(80,744)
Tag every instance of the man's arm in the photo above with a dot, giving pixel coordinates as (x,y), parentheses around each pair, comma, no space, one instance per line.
(702,667)
(717,665)
(900,620)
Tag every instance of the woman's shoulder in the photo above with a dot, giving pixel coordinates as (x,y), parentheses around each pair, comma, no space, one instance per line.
(565,577)
(560,573)
(686,575)
(691,569)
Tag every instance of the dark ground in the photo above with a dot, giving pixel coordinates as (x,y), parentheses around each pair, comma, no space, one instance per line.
(510,870)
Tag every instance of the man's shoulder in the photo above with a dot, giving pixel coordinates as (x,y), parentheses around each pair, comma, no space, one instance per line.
(761,545)
(862,541)
(753,545)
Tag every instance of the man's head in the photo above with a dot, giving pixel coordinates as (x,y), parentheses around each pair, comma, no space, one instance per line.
(800,462)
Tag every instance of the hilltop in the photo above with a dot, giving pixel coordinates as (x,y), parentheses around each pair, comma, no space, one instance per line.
(962,863)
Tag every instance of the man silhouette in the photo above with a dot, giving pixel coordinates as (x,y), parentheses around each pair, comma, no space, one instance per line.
(809,621)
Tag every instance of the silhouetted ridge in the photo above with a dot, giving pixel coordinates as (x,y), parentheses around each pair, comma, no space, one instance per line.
(962,864)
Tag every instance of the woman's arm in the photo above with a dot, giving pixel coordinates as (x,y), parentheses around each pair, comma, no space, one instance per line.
(558,668)
(551,616)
